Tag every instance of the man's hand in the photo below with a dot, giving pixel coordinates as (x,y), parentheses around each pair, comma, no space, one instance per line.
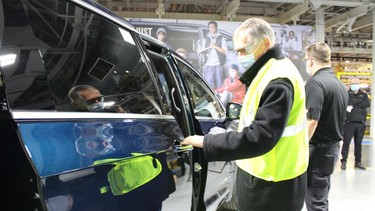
(195,140)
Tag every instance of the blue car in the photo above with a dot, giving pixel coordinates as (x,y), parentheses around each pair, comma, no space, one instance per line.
(92,113)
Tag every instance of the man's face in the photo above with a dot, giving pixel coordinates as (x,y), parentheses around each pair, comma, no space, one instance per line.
(91,96)
(355,84)
(355,81)
(309,64)
(212,28)
(244,45)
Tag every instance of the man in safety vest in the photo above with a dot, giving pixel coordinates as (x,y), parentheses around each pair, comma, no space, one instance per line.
(271,144)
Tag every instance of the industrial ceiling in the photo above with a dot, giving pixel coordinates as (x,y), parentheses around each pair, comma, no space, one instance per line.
(348,24)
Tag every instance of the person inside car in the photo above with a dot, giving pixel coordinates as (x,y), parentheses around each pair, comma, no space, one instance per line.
(88,98)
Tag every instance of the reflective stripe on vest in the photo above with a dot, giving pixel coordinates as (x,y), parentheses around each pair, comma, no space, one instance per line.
(289,158)
(294,129)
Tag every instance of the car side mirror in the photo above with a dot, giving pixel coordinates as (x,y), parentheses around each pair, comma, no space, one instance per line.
(233,111)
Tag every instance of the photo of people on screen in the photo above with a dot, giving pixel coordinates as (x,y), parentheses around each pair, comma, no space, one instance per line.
(214,50)
(233,90)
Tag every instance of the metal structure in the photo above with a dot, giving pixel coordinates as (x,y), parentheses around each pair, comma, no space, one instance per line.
(345,24)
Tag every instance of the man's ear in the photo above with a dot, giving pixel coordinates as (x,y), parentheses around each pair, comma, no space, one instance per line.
(310,62)
(267,43)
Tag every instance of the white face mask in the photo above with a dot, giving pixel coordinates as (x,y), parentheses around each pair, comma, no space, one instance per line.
(247,60)
(354,87)
(96,106)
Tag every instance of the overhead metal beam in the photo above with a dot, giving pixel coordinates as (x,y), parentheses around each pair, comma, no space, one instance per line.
(197,16)
(343,17)
(295,11)
(341,3)
(362,23)
(154,5)
(346,3)
(221,6)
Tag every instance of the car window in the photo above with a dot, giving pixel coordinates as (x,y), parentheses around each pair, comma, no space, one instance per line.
(204,102)
(57,52)
(162,66)
(177,37)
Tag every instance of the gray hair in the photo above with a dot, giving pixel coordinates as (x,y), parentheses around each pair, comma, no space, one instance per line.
(74,93)
(256,29)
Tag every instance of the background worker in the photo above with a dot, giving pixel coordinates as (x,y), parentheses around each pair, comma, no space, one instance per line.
(270,146)
(355,124)
(326,101)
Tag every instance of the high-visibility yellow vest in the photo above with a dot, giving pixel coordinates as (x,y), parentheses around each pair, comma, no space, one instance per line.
(289,158)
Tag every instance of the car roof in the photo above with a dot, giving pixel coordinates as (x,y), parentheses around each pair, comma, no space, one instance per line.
(101,10)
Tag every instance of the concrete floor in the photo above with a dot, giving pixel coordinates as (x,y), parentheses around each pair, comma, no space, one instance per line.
(354,189)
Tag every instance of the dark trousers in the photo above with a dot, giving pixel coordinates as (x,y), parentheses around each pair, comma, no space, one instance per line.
(255,194)
(356,130)
(321,165)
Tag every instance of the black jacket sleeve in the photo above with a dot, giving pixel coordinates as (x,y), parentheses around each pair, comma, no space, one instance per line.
(360,102)
(263,133)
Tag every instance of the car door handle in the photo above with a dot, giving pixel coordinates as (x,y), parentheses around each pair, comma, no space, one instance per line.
(178,148)
(173,100)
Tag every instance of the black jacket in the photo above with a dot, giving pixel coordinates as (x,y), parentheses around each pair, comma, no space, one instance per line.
(269,123)
(260,137)
(360,102)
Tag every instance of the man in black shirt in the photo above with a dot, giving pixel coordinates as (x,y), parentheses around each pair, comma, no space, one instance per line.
(326,101)
(355,123)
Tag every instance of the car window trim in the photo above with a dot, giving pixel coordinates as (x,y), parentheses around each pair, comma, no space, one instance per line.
(58,115)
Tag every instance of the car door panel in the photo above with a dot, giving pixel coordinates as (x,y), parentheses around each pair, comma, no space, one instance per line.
(75,158)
